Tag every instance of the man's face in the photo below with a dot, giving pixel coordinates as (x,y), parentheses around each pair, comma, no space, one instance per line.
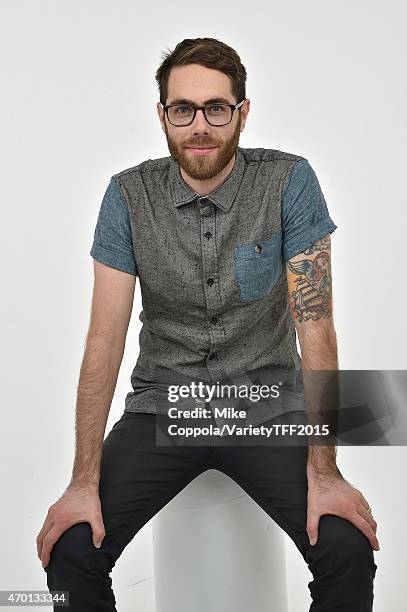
(198,84)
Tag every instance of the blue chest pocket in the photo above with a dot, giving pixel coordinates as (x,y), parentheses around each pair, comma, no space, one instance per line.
(258,266)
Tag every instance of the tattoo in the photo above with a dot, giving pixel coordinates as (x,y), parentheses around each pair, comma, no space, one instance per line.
(321,245)
(310,283)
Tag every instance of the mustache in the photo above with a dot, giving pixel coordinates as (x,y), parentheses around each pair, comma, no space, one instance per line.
(200,144)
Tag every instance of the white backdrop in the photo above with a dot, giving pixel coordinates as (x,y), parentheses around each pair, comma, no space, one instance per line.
(325,80)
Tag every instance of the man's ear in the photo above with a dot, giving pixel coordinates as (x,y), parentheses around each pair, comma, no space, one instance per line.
(244,112)
(161,117)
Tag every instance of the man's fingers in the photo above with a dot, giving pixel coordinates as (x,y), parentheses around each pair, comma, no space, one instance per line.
(98,530)
(48,543)
(312,526)
(368,517)
(365,528)
(48,524)
(364,501)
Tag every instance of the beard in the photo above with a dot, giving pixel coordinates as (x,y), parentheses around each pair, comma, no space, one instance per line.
(203,167)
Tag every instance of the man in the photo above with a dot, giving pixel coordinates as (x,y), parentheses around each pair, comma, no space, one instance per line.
(232,249)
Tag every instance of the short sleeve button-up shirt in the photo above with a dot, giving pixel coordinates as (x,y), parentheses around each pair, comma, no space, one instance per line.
(211,269)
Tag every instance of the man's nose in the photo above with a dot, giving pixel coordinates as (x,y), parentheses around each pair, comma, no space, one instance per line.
(199,123)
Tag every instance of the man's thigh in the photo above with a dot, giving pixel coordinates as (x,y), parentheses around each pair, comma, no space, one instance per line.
(274,475)
(138,477)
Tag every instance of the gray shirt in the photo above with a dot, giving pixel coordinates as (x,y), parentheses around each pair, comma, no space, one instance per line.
(212,274)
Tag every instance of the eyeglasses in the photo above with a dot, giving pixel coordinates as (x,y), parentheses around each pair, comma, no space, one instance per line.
(215,114)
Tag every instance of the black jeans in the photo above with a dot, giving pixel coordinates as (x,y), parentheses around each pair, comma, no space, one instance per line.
(139,477)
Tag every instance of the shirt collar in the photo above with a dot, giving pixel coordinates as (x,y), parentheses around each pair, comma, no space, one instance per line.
(223,196)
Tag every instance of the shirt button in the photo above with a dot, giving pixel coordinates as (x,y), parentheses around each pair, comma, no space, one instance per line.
(208,234)
(202,200)
(214,320)
(210,281)
(258,248)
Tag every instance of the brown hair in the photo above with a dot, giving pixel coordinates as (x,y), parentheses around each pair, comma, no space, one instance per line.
(208,52)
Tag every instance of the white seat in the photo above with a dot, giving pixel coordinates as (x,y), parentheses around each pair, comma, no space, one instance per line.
(216,550)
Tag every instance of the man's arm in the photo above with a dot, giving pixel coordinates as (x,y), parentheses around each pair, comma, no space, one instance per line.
(112,303)
(309,279)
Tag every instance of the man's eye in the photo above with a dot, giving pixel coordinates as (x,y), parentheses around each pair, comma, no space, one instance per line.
(182,109)
(218,109)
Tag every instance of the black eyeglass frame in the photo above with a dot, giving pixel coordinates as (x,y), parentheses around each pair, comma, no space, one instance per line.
(203,109)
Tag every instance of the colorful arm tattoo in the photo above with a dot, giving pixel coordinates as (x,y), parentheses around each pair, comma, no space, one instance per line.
(310,282)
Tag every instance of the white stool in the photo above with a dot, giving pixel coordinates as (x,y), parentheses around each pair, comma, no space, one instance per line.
(216,550)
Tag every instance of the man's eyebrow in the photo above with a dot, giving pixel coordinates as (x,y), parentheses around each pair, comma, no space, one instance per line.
(210,101)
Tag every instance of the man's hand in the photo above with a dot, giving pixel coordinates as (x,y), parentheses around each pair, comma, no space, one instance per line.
(334,495)
(80,503)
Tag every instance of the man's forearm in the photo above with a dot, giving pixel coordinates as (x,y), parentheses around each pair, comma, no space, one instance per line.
(319,364)
(97,382)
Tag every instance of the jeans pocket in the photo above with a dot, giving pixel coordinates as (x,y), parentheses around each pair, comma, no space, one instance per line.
(258,266)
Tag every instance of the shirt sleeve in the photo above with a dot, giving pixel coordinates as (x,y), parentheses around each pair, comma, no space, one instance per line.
(305,215)
(112,242)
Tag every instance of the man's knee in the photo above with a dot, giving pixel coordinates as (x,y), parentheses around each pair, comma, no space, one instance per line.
(342,546)
(75,554)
